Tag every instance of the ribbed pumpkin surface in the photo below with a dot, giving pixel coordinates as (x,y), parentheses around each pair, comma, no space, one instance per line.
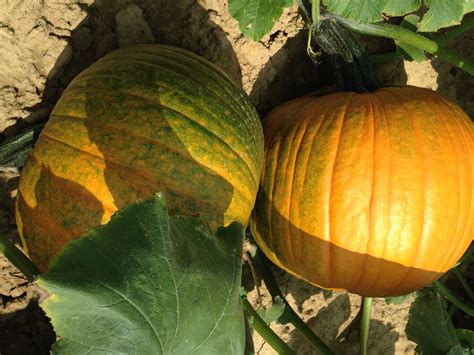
(142,119)
(371,193)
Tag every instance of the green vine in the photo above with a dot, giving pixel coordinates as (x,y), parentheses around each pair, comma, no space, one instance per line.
(403,35)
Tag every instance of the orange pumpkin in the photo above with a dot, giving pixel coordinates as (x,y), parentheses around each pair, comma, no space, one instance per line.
(371,193)
(142,119)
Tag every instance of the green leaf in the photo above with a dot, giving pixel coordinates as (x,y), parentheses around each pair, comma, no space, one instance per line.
(399,8)
(397,299)
(444,13)
(148,283)
(468,6)
(257,17)
(466,338)
(459,350)
(429,325)
(408,51)
(368,11)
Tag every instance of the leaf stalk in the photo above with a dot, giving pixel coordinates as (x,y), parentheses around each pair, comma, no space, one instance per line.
(364,324)
(453,299)
(403,35)
(265,331)
(18,259)
(462,280)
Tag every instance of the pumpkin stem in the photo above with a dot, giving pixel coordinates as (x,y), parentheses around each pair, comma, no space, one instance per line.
(18,259)
(364,325)
(350,63)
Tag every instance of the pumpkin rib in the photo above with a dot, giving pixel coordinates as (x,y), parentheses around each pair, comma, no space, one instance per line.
(189,119)
(114,127)
(291,210)
(419,148)
(462,234)
(177,74)
(229,88)
(293,131)
(270,195)
(106,161)
(271,183)
(454,245)
(41,163)
(460,121)
(418,144)
(209,71)
(285,154)
(151,180)
(319,102)
(300,111)
(409,268)
(331,186)
(447,253)
(363,266)
(294,210)
(162,85)
(240,138)
(230,84)
(46,220)
(157,143)
(389,154)
(270,122)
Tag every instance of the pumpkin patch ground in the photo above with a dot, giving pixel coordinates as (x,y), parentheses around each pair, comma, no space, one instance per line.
(49,44)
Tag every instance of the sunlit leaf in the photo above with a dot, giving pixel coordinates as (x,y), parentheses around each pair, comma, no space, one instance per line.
(369,11)
(257,17)
(444,13)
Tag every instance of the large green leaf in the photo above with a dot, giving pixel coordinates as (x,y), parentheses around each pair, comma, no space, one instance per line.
(444,13)
(147,283)
(368,11)
(256,17)
(429,325)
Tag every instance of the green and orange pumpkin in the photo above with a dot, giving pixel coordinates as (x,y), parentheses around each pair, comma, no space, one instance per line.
(142,119)
(369,192)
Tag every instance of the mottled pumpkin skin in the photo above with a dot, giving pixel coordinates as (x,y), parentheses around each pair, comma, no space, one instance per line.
(371,193)
(142,119)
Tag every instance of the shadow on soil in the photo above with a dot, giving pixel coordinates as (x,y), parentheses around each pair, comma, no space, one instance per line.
(293,73)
